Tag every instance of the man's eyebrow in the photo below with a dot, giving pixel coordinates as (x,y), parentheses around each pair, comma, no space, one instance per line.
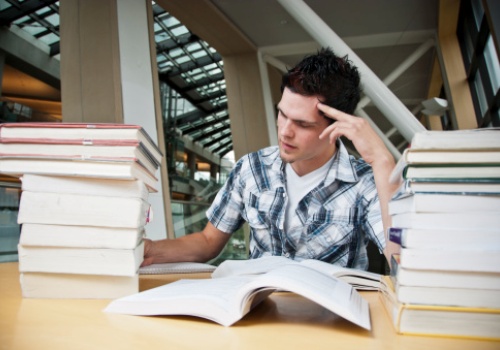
(297,120)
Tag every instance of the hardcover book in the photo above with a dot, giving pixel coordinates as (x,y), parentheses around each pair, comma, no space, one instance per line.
(431,320)
(87,261)
(82,210)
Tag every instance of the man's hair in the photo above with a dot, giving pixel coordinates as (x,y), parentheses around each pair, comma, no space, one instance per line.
(333,79)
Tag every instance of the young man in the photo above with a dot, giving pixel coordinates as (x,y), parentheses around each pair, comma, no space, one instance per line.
(305,198)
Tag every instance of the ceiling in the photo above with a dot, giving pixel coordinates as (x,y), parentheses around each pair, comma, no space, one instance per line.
(383,33)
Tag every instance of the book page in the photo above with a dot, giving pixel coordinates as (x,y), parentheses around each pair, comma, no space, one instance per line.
(360,279)
(329,292)
(206,298)
(180,267)
(251,266)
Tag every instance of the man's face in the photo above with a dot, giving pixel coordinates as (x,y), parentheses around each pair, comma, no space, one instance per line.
(299,126)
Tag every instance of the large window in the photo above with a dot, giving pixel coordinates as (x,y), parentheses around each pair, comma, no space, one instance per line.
(478,33)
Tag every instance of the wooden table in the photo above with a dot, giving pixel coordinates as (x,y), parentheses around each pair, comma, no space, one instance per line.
(283,321)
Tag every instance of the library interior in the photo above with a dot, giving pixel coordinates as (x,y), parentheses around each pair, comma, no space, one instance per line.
(197,82)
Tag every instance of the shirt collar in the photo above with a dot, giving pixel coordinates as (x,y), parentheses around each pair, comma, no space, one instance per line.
(341,169)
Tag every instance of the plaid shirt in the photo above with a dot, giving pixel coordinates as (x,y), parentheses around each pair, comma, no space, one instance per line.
(336,219)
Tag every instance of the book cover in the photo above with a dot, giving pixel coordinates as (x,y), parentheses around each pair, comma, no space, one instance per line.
(479,260)
(47,235)
(82,210)
(473,139)
(88,133)
(445,238)
(450,221)
(443,321)
(84,152)
(77,167)
(445,171)
(226,300)
(449,186)
(87,261)
(85,185)
(443,203)
(445,278)
(42,285)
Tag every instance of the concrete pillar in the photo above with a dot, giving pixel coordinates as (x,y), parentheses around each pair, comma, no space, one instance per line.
(108,74)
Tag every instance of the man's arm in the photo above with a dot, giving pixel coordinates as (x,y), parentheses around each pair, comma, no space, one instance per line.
(372,149)
(196,247)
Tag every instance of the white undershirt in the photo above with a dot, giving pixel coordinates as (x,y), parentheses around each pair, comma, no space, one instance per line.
(297,187)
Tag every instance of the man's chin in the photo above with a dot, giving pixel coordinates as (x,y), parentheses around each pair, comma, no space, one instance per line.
(286,158)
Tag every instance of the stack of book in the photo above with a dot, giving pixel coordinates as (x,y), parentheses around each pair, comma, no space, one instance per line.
(84,205)
(446,218)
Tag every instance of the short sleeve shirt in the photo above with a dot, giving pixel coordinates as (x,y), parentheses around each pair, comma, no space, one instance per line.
(336,219)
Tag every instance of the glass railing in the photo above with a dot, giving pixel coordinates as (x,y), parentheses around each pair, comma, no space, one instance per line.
(190,217)
(10,193)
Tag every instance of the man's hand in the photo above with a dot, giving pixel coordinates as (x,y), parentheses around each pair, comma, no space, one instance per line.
(366,141)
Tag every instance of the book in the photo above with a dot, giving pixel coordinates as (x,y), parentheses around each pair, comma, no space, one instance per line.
(116,169)
(88,261)
(471,296)
(445,238)
(47,235)
(444,321)
(445,278)
(443,203)
(76,286)
(176,268)
(444,171)
(447,156)
(450,221)
(359,279)
(411,162)
(82,210)
(85,185)
(479,260)
(85,152)
(79,133)
(447,186)
(226,300)
(473,139)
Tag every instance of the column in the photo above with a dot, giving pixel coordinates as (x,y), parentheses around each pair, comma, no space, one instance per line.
(108,74)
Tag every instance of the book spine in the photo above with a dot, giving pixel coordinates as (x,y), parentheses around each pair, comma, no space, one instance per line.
(396,235)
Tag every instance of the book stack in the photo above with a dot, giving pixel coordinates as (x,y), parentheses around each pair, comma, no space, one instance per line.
(84,205)
(446,218)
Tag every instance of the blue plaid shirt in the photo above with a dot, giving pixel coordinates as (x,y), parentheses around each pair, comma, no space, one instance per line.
(337,218)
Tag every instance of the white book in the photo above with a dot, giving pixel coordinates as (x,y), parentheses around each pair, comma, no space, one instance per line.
(88,261)
(446,296)
(86,152)
(444,278)
(444,203)
(449,221)
(79,133)
(479,260)
(80,236)
(117,169)
(473,139)
(359,279)
(82,210)
(434,320)
(76,286)
(85,185)
(226,300)
(473,238)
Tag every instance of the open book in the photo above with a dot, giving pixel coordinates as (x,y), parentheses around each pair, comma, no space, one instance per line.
(359,279)
(226,300)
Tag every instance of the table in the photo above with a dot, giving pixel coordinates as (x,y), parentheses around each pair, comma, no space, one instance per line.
(283,321)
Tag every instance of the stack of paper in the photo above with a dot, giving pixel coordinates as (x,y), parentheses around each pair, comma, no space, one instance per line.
(446,218)
(84,205)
